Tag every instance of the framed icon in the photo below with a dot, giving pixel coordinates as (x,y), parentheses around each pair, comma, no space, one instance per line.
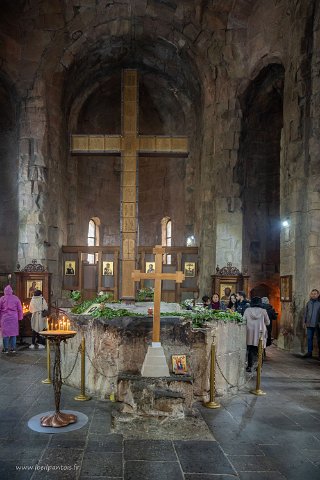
(32,286)
(226,289)
(286,288)
(69,267)
(179,364)
(190,269)
(150,267)
(107,268)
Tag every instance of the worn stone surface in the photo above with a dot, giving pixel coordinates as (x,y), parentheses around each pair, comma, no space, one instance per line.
(116,347)
(273,437)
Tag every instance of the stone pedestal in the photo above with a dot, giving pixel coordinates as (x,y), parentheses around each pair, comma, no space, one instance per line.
(155,364)
(118,346)
(156,397)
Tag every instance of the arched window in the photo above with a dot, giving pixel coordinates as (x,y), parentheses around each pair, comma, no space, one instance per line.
(93,237)
(166,234)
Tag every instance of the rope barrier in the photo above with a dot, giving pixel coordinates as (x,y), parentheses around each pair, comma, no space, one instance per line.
(74,364)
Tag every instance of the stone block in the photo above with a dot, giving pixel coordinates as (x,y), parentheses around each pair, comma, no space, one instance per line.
(155,396)
(118,346)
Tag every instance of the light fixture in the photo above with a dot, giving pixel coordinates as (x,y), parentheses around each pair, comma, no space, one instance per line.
(191,241)
(285,223)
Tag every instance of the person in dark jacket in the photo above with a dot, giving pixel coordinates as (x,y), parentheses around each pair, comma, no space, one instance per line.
(242,302)
(206,301)
(312,320)
(272,316)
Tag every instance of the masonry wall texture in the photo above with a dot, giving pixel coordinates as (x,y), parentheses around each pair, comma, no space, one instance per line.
(240,78)
(115,348)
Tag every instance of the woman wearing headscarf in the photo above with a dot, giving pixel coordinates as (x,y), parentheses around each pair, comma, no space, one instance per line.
(10,314)
(38,322)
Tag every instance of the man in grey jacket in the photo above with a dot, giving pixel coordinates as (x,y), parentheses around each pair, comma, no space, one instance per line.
(312,320)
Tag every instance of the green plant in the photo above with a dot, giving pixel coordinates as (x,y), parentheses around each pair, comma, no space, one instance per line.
(104,297)
(200,315)
(101,298)
(188,304)
(145,294)
(75,295)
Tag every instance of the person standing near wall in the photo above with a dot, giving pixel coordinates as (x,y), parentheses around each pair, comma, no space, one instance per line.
(257,321)
(312,321)
(38,323)
(10,314)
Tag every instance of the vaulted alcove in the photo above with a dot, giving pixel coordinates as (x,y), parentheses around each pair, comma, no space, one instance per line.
(258,172)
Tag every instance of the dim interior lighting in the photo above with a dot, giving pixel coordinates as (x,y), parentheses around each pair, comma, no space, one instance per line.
(285,223)
(191,241)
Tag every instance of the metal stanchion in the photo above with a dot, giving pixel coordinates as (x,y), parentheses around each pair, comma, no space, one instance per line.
(48,380)
(258,391)
(83,397)
(212,402)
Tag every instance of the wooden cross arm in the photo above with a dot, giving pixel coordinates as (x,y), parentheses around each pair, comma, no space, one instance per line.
(163,144)
(177,276)
(95,144)
(136,275)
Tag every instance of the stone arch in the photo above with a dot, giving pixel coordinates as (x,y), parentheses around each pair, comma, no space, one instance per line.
(258,173)
(9,173)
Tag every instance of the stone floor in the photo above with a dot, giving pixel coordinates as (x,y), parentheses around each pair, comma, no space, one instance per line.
(275,437)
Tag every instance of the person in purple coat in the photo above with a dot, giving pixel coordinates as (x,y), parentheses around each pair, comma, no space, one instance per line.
(10,314)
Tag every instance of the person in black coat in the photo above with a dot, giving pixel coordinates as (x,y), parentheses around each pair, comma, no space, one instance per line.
(242,302)
(272,316)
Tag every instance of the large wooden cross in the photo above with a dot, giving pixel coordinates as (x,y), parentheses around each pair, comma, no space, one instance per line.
(157,276)
(130,144)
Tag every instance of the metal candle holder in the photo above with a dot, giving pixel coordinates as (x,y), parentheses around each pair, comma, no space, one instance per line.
(57,419)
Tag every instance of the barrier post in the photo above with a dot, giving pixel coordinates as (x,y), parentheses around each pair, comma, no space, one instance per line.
(258,390)
(212,402)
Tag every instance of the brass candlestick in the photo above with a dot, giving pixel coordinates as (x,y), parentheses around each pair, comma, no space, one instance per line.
(212,402)
(258,390)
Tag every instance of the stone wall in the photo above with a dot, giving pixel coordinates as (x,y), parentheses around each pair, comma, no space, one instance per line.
(115,348)
(196,59)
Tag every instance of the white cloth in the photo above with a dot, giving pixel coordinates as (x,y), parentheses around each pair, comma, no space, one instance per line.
(37,304)
(257,321)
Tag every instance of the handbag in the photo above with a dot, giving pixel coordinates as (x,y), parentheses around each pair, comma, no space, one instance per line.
(44,312)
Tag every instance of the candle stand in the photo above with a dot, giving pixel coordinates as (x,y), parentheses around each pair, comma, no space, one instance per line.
(57,419)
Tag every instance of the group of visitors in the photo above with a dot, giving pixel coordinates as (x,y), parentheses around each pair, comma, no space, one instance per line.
(234,302)
(11,313)
(258,314)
